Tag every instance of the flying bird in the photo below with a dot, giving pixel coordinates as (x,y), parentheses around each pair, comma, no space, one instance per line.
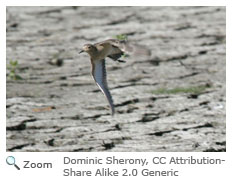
(113,49)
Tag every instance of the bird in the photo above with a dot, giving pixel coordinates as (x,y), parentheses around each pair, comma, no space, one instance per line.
(114,49)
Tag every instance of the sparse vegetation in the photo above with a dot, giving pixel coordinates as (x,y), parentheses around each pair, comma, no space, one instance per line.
(193,90)
(12,67)
(121,37)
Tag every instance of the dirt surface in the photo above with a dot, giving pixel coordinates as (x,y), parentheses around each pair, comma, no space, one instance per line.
(174,100)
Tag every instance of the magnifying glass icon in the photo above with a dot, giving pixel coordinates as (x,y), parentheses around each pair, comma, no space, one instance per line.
(10,160)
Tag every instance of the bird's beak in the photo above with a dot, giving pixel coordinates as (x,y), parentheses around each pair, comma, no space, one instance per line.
(81,51)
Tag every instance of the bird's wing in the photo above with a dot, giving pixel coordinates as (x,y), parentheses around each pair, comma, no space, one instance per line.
(131,48)
(125,46)
(109,41)
(99,75)
(115,56)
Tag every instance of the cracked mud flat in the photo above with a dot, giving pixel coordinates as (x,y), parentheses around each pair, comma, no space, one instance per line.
(159,100)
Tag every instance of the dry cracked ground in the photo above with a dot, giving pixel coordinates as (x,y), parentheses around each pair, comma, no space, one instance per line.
(173,100)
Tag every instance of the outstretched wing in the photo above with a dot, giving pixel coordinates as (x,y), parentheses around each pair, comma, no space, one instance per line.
(120,46)
(99,75)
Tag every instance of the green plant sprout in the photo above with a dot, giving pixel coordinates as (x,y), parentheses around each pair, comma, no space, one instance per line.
(121,37)
(193,90)
(12,67)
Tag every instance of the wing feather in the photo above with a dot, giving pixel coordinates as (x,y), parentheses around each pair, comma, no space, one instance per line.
(99,75)
(130,48)
(127,47)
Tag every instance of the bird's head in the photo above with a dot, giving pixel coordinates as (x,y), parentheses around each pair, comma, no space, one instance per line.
(89,48)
